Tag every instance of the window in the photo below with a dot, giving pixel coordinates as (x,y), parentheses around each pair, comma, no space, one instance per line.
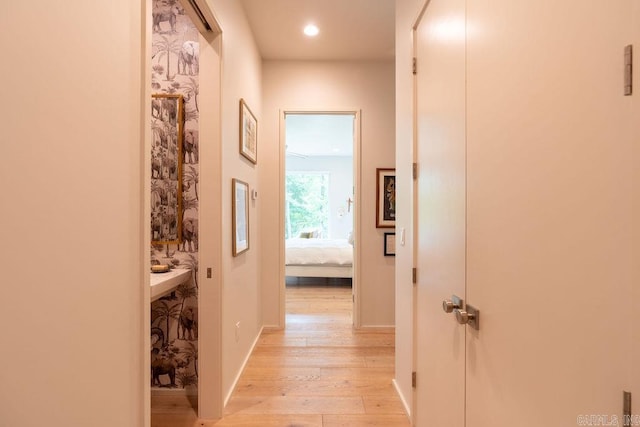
(307,203)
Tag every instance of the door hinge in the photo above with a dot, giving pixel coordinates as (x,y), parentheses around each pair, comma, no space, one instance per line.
(415,65)
(414,275)
(626,409)
(415,171)
(414,380)
(628,70)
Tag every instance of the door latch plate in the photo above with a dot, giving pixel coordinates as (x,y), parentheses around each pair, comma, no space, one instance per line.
(474,317)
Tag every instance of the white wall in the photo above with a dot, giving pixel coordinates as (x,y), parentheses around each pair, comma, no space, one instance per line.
(406,14)
(340,171)
(365,86)
(72,224)
(241,78)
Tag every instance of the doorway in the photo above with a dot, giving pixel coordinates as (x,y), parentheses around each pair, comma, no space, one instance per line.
(321,152)
(185,42)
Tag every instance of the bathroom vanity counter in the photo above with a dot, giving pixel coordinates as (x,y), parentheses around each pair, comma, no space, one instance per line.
(164,283)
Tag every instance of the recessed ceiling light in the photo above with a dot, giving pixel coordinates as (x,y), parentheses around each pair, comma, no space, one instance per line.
(311,30)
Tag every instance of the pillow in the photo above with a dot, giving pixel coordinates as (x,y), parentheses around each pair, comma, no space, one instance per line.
(311,233)
(350,238)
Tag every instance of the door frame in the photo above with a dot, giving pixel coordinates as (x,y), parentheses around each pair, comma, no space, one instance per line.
(356,205)
(416,226)
(210,397)
(414,207)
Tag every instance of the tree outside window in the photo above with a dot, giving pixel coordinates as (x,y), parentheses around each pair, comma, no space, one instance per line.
(307,203)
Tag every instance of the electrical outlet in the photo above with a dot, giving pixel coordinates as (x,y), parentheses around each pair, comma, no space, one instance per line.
(237,331)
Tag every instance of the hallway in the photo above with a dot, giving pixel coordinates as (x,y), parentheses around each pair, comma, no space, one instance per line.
(317,372)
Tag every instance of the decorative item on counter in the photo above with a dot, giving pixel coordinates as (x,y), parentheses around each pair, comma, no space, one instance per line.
(160,268)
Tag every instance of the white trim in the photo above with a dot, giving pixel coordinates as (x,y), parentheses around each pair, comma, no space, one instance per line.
(145,118)
(244,365)
(405,405)
(377,328)
(357,212)
(281,207)
(357,179)
(210,295)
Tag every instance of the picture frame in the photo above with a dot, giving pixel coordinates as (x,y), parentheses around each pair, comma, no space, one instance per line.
(167,122)
(389,244)
(248,133)
(240,216)
(385,198)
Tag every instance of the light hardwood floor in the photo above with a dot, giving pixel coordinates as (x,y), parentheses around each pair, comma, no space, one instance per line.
(316,372)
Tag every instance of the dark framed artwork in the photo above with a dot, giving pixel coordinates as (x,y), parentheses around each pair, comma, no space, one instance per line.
(240,216)
(389,244)
(385,198)
(248,133)
(166,168)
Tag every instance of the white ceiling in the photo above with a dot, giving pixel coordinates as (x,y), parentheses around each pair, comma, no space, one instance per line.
(349,29)
(319,134)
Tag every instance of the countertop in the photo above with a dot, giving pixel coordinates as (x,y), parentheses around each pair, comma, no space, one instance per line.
(164,283)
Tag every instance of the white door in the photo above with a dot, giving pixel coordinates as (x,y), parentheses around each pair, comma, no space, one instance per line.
(525,193)
(549,218)
(440,340)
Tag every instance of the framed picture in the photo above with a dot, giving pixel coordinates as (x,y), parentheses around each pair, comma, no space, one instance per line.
(248,133)
(389,244)
(240,216)
(386,198)
(166,168)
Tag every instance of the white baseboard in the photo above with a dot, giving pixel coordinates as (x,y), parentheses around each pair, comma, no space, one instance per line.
(244,364)
(272,328)
(407,407)
(374,328)
(164,391)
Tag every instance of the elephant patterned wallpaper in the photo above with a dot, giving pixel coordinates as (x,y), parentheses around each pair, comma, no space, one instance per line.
(174,318)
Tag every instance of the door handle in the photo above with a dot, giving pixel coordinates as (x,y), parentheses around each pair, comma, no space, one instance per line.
(470,316)
(454,303)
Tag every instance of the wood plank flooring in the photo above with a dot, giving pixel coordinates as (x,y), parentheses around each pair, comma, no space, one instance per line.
(318,372)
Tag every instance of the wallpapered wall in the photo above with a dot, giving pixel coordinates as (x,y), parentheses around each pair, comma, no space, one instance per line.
(174,318)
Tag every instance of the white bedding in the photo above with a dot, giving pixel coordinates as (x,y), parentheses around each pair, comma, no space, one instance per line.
(324,252)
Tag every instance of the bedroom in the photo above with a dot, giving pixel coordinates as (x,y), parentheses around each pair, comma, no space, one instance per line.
(319,199)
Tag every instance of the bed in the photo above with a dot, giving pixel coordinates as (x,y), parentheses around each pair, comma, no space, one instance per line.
(318,258)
